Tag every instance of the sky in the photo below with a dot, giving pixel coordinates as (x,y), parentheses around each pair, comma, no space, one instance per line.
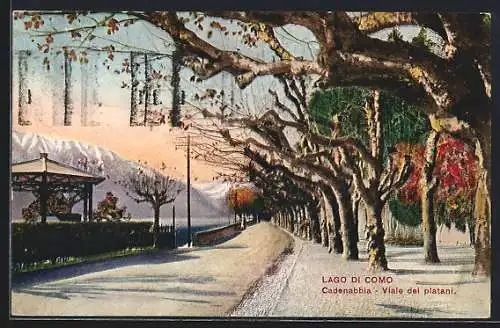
(143,36)
(108,102)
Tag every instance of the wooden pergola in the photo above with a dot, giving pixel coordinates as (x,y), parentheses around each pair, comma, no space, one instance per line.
(46,176)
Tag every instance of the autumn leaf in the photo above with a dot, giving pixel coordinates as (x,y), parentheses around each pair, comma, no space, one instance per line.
(215,24)
(71,17)
(72,55)
(75,35)
(49,39)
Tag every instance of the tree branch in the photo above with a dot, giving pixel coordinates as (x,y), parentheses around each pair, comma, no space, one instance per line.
(376,21)
(403,176)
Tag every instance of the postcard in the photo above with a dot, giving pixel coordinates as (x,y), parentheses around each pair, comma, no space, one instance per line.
(251,164)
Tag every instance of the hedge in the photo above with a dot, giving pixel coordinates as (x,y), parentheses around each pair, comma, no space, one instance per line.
(40,242)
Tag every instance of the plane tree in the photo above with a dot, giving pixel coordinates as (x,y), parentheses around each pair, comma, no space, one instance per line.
(154,188)
(452,83)
(285,132)
(375,122)
(443,184)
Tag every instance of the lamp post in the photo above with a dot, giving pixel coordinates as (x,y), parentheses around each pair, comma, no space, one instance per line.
(189,188)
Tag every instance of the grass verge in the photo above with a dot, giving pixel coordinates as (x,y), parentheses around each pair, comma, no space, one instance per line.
(61,262)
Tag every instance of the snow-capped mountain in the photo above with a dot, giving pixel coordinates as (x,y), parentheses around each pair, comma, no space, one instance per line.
(27,146)
(217,191)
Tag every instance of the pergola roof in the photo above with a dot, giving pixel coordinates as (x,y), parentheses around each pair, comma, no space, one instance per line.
(30,173)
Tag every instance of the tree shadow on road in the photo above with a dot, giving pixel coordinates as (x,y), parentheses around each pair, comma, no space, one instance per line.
(430,272)
(404,309)
(457,261)
(221,246)
(453,283)
(152,278)
(395,254)
(89,290)
(444,262)
(71,271)
(186,300)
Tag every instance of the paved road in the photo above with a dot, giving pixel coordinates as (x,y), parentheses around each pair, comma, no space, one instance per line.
(211,281)
(297,289)
(207,281)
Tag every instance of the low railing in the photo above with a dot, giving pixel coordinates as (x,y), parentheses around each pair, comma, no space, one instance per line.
(166,236)
(216,235)
(166,228)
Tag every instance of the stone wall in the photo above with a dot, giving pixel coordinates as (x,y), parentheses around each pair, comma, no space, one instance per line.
(217,235)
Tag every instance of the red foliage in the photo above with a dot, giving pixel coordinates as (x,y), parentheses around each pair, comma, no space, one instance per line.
(410,192)
(456,169)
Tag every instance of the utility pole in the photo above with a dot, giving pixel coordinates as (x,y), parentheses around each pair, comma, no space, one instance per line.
(147,88)
(189,188)
(173,226)
(188,154)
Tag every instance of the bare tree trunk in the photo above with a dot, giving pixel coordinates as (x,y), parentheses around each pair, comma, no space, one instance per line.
(287,221)
(471,225)
(242,222)
(429,227)
(294,220)
(302,220)
(480,121)
(355,211)
(377,260)
(334,235)
(301,224)
(428,184)
(324,221)
(315,230)
(156,225)
(349,239)
(482,213)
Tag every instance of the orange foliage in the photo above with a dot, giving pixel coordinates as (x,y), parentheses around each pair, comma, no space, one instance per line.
(240,198)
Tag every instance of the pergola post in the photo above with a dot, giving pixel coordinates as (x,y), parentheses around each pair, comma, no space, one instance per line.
(43,198)
(85,203)
(90,200)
